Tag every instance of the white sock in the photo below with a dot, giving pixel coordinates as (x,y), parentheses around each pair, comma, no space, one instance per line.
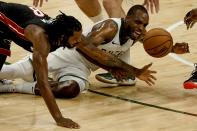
(26,87)
(97,18)
(7,88)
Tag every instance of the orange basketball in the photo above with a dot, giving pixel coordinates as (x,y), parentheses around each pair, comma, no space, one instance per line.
(158,42)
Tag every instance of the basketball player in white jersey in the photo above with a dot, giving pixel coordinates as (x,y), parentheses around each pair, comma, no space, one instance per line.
(92,9)
(71,68)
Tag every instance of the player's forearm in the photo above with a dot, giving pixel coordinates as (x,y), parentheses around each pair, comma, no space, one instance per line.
(106,60)
(40,66)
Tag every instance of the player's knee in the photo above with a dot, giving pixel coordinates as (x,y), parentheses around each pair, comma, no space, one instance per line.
(68,89)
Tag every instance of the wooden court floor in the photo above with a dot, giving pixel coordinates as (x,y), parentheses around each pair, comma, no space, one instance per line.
(166,106)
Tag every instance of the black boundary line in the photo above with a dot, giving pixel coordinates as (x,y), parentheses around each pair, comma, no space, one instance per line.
(142,103)
(137,102)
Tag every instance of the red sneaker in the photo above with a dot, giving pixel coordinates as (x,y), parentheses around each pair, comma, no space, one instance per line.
(191,83)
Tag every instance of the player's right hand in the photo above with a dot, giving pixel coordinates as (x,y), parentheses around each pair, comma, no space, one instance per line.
(145,74)
(36,2)
(190,18)
(68,123)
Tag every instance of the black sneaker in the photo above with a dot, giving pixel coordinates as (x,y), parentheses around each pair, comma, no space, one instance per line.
(108,78)
(191,83)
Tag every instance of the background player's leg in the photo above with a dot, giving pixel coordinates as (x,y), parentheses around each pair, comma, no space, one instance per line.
(114,8)
(91,8)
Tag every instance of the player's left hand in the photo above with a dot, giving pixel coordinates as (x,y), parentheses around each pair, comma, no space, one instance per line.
(181,48)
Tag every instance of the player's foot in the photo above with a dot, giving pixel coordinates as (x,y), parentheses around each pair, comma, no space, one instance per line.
(191,83)
(6,86)
(108,78)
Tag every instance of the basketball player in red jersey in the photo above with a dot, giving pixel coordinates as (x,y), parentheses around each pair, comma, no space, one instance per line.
(190,19)
(38,33)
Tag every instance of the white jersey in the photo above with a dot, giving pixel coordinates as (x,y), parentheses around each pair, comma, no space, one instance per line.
(113,47)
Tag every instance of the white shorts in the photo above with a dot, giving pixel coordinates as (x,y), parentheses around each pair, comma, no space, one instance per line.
(62,65)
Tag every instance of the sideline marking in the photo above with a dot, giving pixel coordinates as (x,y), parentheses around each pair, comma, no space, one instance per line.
(173,55)
(142,103)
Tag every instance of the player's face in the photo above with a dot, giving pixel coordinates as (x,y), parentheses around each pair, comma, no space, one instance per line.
(137,24)
(75,38)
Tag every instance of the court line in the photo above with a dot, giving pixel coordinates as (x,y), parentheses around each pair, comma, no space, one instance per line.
(142,103)
(173,55)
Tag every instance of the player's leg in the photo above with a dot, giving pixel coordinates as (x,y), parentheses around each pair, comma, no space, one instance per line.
(91,8)
(114,8)
(22,69)
(191,83)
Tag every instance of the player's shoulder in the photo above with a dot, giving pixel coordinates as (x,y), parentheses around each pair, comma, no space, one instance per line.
(111,23)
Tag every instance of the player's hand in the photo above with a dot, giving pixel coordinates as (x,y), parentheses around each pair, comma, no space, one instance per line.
(36,2)
(190,18)
(180,48)
(68,123)
(146,75)
(151,4)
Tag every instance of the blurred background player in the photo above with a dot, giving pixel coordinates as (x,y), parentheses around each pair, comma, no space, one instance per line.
(190,19)
(92,8)
(112,7)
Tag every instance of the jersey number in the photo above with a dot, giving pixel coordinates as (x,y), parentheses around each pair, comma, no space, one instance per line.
(37,12)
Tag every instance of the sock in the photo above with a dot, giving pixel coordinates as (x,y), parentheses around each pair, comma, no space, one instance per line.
(97,18)
(7,88)
(26,87)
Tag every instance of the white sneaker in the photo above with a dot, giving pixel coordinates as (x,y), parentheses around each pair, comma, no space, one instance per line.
(108,78)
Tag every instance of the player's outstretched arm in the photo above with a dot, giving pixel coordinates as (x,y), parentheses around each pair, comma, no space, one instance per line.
(36,2)
(191,18)
(41,48)
(117,67)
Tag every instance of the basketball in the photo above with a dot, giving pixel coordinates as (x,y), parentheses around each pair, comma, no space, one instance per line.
(158,42)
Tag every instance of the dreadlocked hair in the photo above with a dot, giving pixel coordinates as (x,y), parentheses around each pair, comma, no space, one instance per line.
(63,25)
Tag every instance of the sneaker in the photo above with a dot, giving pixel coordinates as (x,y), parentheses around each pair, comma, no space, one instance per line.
(191,83)
(109,78)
